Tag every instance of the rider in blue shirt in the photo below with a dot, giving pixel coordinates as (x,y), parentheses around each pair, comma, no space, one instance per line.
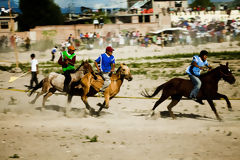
(105,65)
(193,71)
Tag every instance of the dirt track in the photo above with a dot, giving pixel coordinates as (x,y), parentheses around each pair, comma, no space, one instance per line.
(124,131)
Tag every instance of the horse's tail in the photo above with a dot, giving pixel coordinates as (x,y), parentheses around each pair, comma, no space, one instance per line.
(39,85)
(146,94)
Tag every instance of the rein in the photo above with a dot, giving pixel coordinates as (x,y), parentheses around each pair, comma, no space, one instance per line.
(226,75)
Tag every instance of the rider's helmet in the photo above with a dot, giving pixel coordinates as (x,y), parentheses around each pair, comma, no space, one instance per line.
(71,48)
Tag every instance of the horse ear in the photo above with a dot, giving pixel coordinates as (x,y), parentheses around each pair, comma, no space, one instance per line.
(121,65)
(227,64)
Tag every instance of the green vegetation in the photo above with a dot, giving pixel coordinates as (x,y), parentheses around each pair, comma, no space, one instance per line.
(153,68)
(93,139)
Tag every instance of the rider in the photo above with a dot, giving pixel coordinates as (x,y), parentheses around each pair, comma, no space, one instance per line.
(105,65)
(67,61)
(193,72)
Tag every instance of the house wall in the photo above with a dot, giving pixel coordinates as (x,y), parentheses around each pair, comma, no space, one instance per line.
(61,33)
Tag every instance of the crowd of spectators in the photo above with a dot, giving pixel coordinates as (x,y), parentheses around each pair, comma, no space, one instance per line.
(195,33)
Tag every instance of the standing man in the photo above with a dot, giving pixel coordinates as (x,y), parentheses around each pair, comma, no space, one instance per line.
(193,72)
(54,50)
(67,61)
(105,64)
(34,71)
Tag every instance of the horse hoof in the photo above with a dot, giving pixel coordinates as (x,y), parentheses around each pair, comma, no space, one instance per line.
(31,102)
(220,119)
(99,104)
(92,112)
(230,109)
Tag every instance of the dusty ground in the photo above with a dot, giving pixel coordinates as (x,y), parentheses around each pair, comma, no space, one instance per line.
(124,131)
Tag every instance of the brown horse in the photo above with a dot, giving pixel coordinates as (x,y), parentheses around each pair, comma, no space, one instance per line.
(90,86)
(177,87)
(55,82)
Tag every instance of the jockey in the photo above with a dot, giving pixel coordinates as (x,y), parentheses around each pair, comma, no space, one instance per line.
(193,72)
(67,61)
(105,64)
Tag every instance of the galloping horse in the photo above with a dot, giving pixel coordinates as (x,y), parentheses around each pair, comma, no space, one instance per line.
(177,87)
(55,82)
(90,86)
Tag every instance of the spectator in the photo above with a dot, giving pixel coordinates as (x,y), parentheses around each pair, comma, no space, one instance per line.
(54,50)
(27,43)
(101,22)
(34,71)
(96,23)
(146,40)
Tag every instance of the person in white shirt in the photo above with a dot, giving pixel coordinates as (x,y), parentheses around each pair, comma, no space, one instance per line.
(34,71)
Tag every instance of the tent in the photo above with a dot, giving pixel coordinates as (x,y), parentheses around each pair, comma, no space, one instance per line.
(170,30)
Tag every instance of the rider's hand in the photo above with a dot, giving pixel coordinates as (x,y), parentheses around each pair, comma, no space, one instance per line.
(202,68)
(110,74)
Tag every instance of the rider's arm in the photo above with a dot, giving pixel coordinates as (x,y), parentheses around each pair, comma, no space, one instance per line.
(113,67)
(71,61)
(96,64)
(60,61)
(195,65)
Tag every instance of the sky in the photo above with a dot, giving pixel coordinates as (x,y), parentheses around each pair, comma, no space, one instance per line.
(102,3)
(92,3)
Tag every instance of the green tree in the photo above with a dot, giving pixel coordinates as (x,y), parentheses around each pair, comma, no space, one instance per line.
(39,13)
(202,3)
(235,4)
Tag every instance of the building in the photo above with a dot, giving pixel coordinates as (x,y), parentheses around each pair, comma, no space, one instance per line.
(8,23)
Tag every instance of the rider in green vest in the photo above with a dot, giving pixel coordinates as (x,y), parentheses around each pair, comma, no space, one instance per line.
(67,61)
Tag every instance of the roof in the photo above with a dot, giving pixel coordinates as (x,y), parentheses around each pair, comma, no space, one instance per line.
(139,4)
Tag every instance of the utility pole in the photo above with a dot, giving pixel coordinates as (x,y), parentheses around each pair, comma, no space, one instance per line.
(12,29)
(154,12)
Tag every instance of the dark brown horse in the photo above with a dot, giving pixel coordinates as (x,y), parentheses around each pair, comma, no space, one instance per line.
(177,87)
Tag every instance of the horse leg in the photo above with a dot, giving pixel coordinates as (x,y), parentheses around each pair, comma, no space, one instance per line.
(37,96)
(91,110)
(101,107)
(162,98)
(69,100)
(175,100)
(226,99)
(45,97)
(210,101)
(105,103)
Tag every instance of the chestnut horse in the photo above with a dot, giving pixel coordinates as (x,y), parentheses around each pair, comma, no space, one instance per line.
(177,87)
(55,82)
(89,87)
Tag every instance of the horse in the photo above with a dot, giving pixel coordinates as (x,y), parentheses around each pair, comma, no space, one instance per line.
(55,82)
(89,87)
(178,87)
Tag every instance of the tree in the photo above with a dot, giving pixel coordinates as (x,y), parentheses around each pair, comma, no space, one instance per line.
(202,3)
(38,13)
(235,3)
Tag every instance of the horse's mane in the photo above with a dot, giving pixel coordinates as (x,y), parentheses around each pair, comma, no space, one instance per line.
(210,72)
(83,64)
(79,66)
(119,68)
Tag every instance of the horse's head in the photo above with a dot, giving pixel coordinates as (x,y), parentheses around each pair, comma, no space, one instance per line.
(124,71)
(226,74)
(85,67)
